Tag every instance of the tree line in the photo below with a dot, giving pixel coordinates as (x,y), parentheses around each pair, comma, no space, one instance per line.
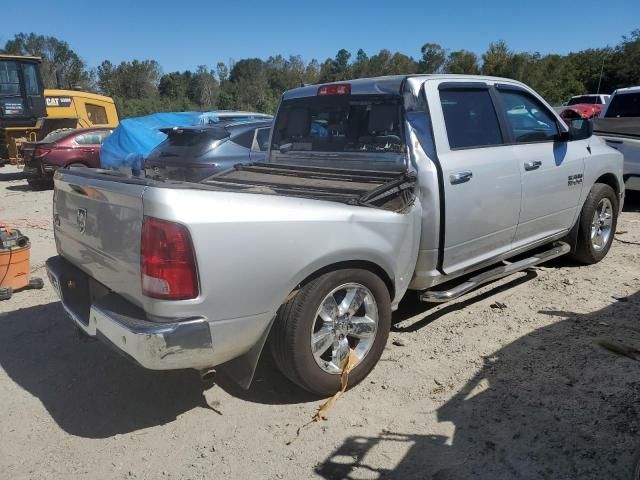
(140,87)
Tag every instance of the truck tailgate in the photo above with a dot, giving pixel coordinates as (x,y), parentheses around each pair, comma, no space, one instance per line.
(97,224)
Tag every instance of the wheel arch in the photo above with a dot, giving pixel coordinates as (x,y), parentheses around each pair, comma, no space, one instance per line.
(361,264)
(242,369)
(611,180)
(76,161)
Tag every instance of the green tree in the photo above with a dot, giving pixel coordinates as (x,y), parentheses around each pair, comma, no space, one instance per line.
(498,61)
(462,62)
(433,58)
(135,79)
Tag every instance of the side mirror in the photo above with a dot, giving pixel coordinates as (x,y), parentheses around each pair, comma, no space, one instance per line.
(580,128)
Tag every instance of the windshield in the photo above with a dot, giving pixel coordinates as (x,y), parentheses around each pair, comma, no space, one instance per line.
(590,99)
(624,105)
(339,124)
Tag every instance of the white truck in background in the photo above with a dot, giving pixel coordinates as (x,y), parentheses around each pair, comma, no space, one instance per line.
(619,125)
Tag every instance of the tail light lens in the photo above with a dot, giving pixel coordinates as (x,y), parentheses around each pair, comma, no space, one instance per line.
(41,152)
(167,260)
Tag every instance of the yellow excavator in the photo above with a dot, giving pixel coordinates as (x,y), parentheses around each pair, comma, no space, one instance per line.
(28,111)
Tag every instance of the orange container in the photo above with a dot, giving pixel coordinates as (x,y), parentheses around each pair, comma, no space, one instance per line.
(15,267)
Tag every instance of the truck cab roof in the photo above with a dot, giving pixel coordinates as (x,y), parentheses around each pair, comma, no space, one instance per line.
(389,85)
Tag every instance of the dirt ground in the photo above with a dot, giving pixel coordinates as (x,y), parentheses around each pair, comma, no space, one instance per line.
(509,382)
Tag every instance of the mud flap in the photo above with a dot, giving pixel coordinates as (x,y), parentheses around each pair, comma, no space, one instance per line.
(242,369)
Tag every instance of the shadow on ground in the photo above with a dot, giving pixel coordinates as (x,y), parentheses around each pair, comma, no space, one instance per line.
(552,405)
(87,388)
(6,177)
(19,188)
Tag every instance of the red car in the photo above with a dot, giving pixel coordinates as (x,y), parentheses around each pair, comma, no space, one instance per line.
(584,106)
(60,149)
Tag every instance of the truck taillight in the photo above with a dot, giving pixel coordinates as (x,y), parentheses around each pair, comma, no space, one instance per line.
(335,89)
(167,261)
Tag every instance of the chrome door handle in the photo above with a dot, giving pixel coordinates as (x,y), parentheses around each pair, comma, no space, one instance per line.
(532,165)
(460,177)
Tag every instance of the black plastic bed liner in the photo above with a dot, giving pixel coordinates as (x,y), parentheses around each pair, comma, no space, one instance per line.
(373,188)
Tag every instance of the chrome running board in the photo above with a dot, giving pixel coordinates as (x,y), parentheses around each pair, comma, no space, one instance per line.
(558,249)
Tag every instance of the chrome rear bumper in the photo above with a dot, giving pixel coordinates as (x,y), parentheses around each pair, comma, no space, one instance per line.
(157,346)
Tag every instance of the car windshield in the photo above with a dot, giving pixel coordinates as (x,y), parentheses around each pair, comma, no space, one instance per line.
(339,123)
(624,105)
(590,99)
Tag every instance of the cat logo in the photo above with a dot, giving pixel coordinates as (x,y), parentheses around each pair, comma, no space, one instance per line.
(574,179)
(58,101)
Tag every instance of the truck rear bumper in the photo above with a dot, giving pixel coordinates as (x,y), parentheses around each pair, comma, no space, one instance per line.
(185,343)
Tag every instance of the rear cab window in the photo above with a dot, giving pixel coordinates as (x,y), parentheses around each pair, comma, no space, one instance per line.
(585,99)
(624,105)
(333,128)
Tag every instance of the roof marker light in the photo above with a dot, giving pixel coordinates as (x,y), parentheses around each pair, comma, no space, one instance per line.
(335,89)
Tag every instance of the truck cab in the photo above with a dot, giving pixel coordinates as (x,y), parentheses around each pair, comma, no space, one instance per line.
(21,91)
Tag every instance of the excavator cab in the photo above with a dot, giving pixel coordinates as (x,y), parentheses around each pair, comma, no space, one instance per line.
(22,99)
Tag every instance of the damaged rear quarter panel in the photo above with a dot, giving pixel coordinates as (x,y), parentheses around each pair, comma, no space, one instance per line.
(252,249)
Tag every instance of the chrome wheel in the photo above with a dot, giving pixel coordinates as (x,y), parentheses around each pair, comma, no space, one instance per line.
(346,319)
(601,224)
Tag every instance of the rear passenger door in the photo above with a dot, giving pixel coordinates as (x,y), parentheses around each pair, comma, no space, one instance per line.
(551,169)
(481,177)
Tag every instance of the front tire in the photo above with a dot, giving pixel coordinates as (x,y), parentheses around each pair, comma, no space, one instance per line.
(598,221)
(314,331)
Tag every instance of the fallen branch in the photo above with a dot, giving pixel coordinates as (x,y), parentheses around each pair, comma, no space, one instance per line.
(323,410)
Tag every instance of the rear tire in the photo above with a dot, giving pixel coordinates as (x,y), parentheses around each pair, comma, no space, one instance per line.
(597,224)
(360,320)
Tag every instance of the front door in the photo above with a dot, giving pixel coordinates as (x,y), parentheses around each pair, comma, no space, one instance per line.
(551,170)
(481,175)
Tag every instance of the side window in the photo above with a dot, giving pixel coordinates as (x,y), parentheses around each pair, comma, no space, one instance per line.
(244,139)
(262,140)
(470,118)
(102,136)
(92,138)
(30,79)
(9,80)
(97,114)
(529,120)
(85,139)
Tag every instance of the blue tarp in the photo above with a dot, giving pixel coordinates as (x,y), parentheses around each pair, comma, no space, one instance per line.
(133,140)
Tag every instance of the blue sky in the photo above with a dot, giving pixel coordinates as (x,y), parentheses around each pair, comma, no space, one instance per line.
(183,34)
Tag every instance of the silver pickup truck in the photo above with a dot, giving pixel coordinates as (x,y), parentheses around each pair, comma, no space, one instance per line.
(373,188)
